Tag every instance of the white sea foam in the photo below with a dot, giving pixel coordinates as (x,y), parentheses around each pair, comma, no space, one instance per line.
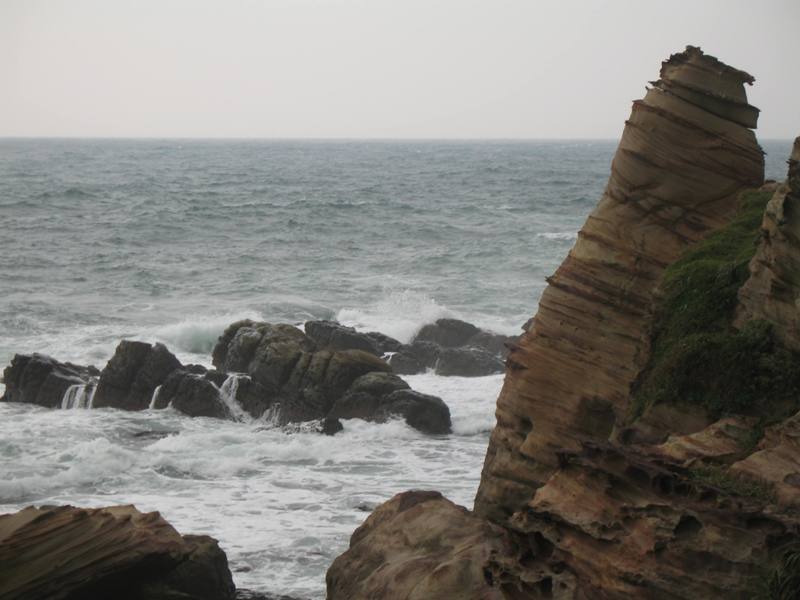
(154,397)
(283,505)
(197,335)
(558,235)
(227,394)
(400,314)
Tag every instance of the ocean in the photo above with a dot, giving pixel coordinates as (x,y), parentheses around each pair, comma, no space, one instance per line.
(172,240)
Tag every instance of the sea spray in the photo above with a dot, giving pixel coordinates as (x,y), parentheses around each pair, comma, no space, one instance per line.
(79,395)
(154,398)
(227,394)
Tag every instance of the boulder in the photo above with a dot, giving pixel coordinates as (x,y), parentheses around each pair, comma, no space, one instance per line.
(426,413)
(319,379)
(468,362)
(404,363)
(454,333)
(380,396)
(420,546)
(42,380)
(192,394)
(364,397)
(54,553)
(132,375)
(265,351)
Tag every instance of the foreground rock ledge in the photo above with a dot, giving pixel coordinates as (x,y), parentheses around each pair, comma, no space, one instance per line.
(115,552)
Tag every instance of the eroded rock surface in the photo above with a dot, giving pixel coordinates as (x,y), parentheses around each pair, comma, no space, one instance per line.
(40,379)
(681,163)
(772,292)
(65,552)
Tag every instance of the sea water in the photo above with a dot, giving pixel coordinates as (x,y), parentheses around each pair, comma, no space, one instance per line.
(172,240)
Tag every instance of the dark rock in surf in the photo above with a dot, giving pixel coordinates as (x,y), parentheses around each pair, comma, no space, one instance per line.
(468,362)
(319,379)
(404,363)
(42,380)
(330,426)
(426,413)
(132,375)
(454,333)
(66,553)
(364,398)
(330,335)
(380,396)
(192,394)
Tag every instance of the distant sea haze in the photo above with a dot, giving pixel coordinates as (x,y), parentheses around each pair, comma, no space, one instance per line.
(172,240)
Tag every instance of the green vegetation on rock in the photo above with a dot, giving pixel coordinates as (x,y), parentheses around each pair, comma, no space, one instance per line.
(735,485)
(698,357)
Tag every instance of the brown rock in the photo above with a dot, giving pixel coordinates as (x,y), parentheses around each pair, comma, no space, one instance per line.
(675,178)
(777,461)
(116,552)
(772,292)
(720,441)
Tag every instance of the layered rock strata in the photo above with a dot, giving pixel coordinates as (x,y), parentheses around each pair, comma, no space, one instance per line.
(116,552)
(685,154)
(772,292)
(608,523)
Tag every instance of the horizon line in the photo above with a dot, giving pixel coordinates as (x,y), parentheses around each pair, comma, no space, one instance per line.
(328,139)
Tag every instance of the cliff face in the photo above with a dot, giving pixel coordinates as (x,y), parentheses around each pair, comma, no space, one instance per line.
(685,154)
(773,291)
(577,499)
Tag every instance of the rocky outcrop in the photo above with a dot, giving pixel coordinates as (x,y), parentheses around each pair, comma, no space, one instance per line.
(608,523)
(330,335)
(40,379)
(116,552)
(575,501)
(772,292)
(302,382)
(684,156)
(421,546)
(132,375)
(452,347)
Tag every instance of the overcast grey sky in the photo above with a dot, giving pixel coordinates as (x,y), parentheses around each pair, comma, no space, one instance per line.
(372,68)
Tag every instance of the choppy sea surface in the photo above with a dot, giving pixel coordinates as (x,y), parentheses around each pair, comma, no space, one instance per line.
(171,240)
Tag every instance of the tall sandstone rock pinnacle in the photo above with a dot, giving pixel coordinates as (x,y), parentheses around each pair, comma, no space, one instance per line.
(686,152)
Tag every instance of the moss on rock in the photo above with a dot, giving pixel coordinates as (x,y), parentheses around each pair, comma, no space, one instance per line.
(697,355)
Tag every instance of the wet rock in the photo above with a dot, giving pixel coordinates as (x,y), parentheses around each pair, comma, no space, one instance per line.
(248,346)
(468,362)
(330,426)
(193,395)
(319,379)
(133,373)
(42,380)
(404,363)
(426,413)
(449,333)
(53,553)
(365,396)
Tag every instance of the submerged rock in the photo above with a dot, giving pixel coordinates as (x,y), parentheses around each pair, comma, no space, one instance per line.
(132,375)
(53,553)
(42,380)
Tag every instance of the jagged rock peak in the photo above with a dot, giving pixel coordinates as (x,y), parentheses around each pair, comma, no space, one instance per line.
(706,82)
(686,153)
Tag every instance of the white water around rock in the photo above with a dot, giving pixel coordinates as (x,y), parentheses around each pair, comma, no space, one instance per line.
(154,397)
(79,395)
(227,394)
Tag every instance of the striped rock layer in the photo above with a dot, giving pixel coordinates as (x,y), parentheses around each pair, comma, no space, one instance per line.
(686,152)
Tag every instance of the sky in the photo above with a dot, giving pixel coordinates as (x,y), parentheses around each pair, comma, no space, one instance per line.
(373,68)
